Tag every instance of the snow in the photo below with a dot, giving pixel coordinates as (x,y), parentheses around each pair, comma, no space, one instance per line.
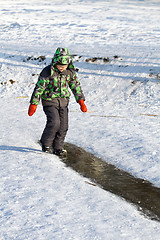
(40,197)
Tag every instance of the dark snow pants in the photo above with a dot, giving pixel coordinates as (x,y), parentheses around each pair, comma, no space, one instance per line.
(57,124)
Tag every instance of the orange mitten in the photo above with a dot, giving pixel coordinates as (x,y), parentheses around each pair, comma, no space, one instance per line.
(32,109)
(83,106)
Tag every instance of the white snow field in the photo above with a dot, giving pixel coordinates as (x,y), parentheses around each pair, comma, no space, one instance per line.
(40,198)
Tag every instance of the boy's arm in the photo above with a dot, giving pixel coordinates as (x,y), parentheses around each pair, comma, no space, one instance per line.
(36,95)
(40,87)
(74,85)
(38,91)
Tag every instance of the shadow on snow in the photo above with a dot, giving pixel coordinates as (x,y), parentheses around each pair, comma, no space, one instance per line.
(18,149)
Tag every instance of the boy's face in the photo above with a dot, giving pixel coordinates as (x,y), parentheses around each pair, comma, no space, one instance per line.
(61,68)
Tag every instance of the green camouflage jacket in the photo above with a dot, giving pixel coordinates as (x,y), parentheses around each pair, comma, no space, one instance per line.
(54,84)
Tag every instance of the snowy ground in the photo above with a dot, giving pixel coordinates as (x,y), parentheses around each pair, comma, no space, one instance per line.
(40,197)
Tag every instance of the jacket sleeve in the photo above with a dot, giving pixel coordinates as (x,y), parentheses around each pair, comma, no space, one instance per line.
(74,85)
(40,86)
(38,90)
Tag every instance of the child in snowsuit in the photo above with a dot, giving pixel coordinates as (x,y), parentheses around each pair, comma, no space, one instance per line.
(52,89)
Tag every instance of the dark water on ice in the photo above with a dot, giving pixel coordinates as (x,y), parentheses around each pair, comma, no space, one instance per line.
(135,190)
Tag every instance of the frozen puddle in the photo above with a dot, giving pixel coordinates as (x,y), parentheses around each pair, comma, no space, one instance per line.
(135,190)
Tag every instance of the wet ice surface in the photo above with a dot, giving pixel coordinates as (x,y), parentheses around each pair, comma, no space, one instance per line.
(135,190)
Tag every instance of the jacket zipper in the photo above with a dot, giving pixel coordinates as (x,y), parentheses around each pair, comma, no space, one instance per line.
(60,85)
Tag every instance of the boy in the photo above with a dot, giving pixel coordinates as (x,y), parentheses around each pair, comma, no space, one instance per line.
(52,89)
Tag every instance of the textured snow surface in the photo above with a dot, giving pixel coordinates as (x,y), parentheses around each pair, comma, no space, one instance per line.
(40,197)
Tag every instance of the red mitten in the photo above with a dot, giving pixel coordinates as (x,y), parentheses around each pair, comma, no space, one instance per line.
(83,106)
(32,109)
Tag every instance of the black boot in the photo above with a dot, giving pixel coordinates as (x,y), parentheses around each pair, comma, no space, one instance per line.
(45,149)
(60,152)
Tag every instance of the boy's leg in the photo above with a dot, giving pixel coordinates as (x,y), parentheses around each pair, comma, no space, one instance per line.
(61,133)
(52,125)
